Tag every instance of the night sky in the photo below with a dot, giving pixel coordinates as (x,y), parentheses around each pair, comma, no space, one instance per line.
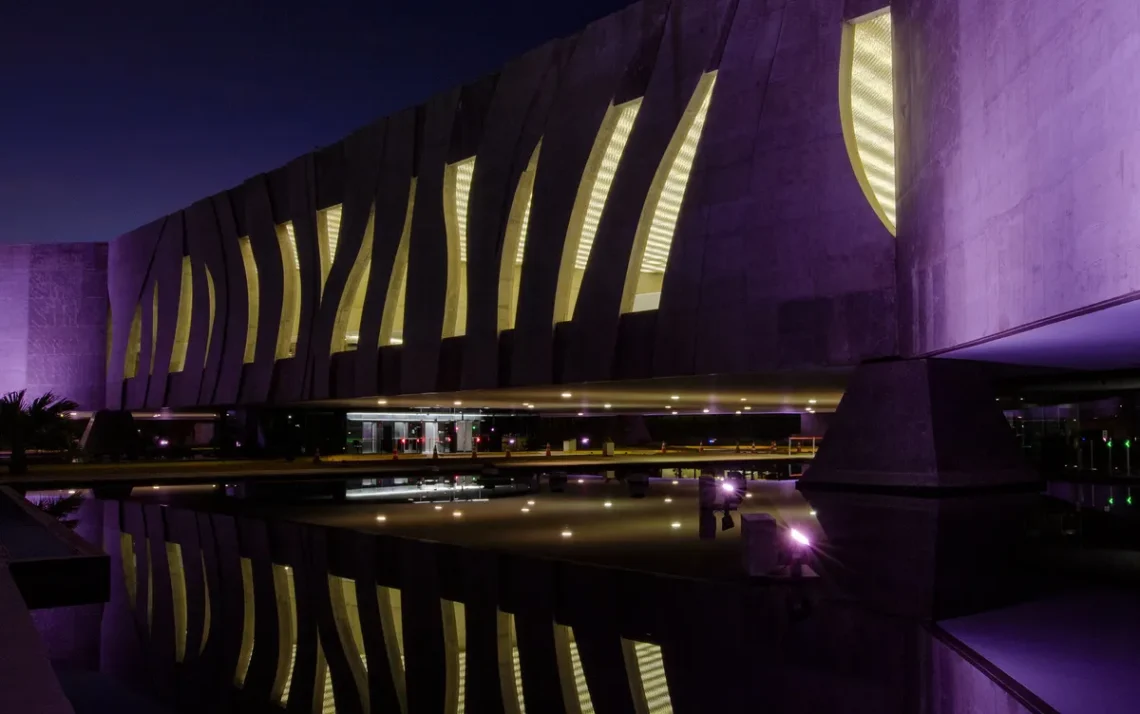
(112,119)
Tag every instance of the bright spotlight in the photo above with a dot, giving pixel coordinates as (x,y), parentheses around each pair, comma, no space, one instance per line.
(155,487)
(458,403)
(566,395)
(748,495)
(675,525)
(581,480)
(799,537)
(606,406)
(525,510)
(381,518)
(668,500)
(607,504)
(530,503)
(675,397)
(439,508)
(71,492)
(812,512)
(812,401)
(729,487)
(456,514)
(567,533)
(705,411)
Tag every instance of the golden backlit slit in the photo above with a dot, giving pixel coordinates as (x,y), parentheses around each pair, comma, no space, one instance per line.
(510,666)
(391,622)
(645,668)
(346,613)
(153,327)
(457,179)
(455,653)
(658,224)
(285,594)
(252,290)
(392,321)
(178,596)
(291,292)
(328,237)
(213,310)
(572,676)
(346,329)
(247,621)
(134,345)
(866,94)
(593,192)
(130,572)
(205,607)
(514,245)
(185,310)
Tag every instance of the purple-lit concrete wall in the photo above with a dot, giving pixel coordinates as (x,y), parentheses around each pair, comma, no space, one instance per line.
(1018,132)
(53,320)
(778,261)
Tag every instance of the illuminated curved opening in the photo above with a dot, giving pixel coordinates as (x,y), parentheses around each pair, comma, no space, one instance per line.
(213,310)
(346,329)
(328,235)
(457,194)
(291,292)
(130,571)
(593,191)
(391,622)
(648,684)
(134,345)
(185,310)
(658,223)
(514,244)
(455,648)
(866,92)
(252,299)
(346,612)
(153,327)
(246,651)
(285,593)
(177,569)
(572,676)
(510,666)
(392,321)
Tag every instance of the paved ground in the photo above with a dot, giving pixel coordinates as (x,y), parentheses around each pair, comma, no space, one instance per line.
(79,475)
(634,533)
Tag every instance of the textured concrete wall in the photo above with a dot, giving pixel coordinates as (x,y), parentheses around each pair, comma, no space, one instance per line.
(1018,129)
(53,320)
(777,262)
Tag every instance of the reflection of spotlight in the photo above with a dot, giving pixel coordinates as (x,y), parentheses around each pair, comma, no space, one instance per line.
(675,525)
(748,495)
(526,510)
(581,480)
(726,522)
(607,504)
(799,537)
(530,503)
(439,508)
(457,514)
(729,487)
(812,512)
(567,534)
(668,500)
(381,518)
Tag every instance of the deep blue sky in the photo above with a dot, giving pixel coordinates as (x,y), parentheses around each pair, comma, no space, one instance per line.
(110,119)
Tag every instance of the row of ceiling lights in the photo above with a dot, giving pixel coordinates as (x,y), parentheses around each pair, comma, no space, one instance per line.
(567,395)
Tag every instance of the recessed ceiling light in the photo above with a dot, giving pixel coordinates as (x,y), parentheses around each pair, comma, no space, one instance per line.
(743,399)
(526,510)
(581,480)
(381,402)
(608,504)
(706,411)
(530,406)
(439,508)
(675,413)
(675,397)
(458,403)
(668,500)
(456,514)
(606,406)
(738,411)
(566,395)
(811,401)
(567,533)
(381,518)
(581,413)
(530,503)
(747,408)
(675,525)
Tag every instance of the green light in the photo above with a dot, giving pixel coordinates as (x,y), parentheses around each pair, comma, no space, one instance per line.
(1128,443)
(1128,500)
(1110,443)
(1111,501)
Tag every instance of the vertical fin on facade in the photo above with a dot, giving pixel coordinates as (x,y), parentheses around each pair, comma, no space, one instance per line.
(185,311)
(658,222)
(346,329)
(867,109)
(457,195)
(392,321)
(514,244)
(593,190)
(291,291)
(252,290)
(213,313)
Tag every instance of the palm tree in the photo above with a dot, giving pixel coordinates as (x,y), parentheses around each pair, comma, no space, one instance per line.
(38,424)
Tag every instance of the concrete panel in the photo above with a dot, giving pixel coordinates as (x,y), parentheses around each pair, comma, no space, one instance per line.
(160,602)
(427,252)
(528,591)
(393,187)
(425,666)
(363,153)
(508,140)
(1016,151)
(586,87)
(677,63)
(128,264)
(121,653)
(230,324)
(166,274)
(15,265)
(223,567)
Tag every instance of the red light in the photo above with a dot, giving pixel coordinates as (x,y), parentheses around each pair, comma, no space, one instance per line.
(477,440)
(403,440)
